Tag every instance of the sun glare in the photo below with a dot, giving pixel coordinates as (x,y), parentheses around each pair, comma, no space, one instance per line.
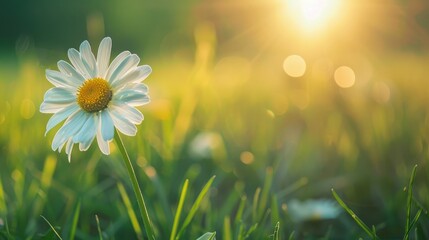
(312,14)
(294,66)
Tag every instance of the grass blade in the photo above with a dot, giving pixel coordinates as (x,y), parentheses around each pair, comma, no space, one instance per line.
(354,216)
(3,208)
(275,213)
(416,218)
(240,210)
(208,236)
(130,211)
(195,206)
(179,209)
(409,202)
(227,234)
(75,220)
(53,229)
(292,235)
(136,187)
(265,192)
(98,227)
(255,204)
(276,231)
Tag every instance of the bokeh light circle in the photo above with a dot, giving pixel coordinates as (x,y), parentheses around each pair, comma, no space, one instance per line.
(294,66)
(344,77)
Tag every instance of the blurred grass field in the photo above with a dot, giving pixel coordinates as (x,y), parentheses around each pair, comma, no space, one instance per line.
(224,103)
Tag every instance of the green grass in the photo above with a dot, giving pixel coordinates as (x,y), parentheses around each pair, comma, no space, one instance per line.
(274,139)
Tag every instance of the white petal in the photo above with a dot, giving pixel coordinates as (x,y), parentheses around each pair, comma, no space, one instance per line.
(75,59)
(134,76)
(59,79)
(75,77)
(69,148)
(130,113)
(52,107)
(59,95)
(88,130)
(85,146)
(132,97)
(60,116)
(73,124)
(115,63)
(61,146)
(107,128)
(88,58)
(138,87)
(103,56)
(123,124)
(103,145)
(129,63)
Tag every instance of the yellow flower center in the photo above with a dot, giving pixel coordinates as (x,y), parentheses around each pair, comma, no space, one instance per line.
(94,95)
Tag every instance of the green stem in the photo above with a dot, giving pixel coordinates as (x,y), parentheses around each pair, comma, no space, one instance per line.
(136,187)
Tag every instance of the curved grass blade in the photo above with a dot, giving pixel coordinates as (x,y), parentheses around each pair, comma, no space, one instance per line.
(354,216)
(53,229)
(98,227)
(409,202)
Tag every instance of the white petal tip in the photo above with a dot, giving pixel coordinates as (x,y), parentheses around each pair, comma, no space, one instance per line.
(107,39)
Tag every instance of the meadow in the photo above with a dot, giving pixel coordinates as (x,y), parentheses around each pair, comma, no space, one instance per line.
(254,119)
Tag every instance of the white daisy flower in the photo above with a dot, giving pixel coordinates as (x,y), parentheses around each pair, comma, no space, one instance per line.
(94,97)
(313,209)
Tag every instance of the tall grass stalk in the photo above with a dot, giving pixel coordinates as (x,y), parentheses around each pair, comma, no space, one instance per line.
(179,209)
(75,220)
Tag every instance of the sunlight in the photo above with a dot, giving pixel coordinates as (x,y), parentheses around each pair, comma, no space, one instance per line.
(294,66)
(344,77)
(312,14)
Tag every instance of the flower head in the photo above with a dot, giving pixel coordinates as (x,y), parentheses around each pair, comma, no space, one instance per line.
(313,209)
(94,97)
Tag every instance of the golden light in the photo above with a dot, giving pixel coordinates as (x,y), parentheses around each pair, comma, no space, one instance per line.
(344,77)
(294,66)
(247,157)
(312,14)
(381,92)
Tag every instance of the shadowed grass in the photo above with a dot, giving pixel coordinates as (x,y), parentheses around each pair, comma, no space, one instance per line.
(361,224)
(52,228)
(75,221)
(100,235)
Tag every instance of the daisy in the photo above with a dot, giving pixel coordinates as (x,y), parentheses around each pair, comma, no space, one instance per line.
(95,97)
